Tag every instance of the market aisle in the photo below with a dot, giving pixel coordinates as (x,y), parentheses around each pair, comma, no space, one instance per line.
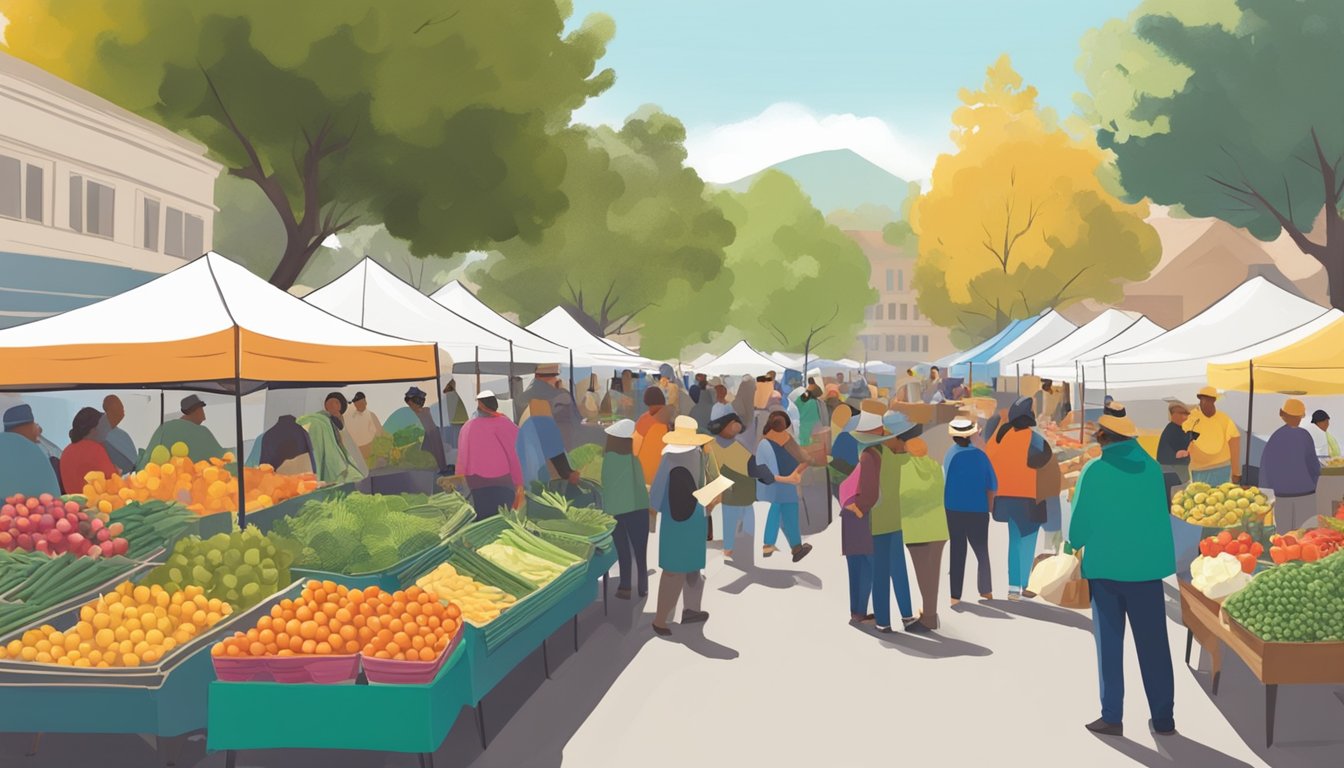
(777,677)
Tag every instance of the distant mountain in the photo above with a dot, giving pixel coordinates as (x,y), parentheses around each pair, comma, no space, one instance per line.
(839,179)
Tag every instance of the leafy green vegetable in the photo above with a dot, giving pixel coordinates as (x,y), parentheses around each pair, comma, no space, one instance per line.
(364,533)
(1294,602)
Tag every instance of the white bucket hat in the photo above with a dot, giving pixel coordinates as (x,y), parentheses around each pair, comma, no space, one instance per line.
(622,428)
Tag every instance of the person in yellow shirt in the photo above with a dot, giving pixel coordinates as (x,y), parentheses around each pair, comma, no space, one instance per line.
(1215,442)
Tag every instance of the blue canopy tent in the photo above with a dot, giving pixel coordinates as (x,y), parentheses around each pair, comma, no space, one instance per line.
(973,364)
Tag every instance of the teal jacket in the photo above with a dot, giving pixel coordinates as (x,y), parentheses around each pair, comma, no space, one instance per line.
(1120,517)
(623,489)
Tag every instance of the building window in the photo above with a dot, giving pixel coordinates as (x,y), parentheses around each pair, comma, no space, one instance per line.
(924,343)
(151,238)
(891,279)
(905,310)
(183,234)
(33,208)
(901,343)
(915,309)
(900,280)
(891,311)
(878,311)
(91,206)
(891,343)
(11,187)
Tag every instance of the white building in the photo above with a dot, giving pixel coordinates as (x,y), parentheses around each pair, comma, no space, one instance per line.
(94,200)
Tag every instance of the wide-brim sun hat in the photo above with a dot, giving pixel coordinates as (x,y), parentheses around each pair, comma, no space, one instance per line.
(962,427)
(686,431)
(1120,425)
(870,416)
(894,424)
(623,428)
(1207,392)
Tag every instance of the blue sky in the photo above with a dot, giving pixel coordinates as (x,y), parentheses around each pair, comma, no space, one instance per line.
(748,75)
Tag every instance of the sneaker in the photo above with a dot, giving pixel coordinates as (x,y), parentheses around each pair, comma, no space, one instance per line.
(1103,728)
(884,630)
(694,617)
(801,551)
(918,627)
(661,631)
(728,553)
(1028,594)
(768,550)
(1014,596)
(986,596)
(1168,732)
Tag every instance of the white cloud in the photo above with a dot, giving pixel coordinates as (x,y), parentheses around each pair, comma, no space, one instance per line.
(726,153)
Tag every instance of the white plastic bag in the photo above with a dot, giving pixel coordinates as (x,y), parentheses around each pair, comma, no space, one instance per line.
(1051,575)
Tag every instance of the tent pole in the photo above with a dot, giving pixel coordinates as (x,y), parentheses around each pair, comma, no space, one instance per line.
(1250,403)
(242,473)
(163,413)
(1105,380)
(1082,405)
(509,380)
(571,376)
(438,384)
(478,371)
(1019,379)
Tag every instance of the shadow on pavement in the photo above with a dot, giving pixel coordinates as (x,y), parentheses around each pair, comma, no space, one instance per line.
(981,610)
(933,645)
(744,560)
(1174,750)
(1046,612)
(693,637)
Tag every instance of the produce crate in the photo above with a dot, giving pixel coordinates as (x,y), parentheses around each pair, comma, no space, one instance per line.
(1286,663)
(49,616)
(206,526)
(391,718)
(263,519)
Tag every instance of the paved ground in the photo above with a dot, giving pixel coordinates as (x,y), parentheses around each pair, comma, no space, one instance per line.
(778,677)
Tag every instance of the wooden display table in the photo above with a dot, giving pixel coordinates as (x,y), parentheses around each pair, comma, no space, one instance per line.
(1273,664)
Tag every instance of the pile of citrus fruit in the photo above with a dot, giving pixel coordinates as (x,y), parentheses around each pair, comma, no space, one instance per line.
(204,487)
(128,627)
(329,619)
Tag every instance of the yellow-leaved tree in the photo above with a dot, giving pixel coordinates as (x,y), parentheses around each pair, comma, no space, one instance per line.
(1018,220)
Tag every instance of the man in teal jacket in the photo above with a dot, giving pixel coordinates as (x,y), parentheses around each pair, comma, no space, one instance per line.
(1120,524)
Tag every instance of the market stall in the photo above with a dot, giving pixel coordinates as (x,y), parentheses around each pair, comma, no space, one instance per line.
(741,359)
(529,349)
(1048,330)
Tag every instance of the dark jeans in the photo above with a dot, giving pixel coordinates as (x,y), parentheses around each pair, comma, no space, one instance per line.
(632,539)
(889,575)
(1144,604)
(487,501)
(860,583)
(969,528)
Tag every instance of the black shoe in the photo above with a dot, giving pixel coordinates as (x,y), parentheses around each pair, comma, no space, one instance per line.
(918,627)
(801,551)
(1103,728)
(644,593)
(1154,729)
(694,617)
(661,631)
(623,594)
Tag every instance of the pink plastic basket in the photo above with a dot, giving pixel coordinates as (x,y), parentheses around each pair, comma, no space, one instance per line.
(234,669)
(323,670)
(395,672)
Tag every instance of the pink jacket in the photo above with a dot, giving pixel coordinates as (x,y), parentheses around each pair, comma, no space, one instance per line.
(487,448)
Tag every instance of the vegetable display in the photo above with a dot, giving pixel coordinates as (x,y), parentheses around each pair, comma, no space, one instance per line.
(1219,576)
(204,487)
(527,556)
(1244,549)
(1226,506)
(364,533)
(402,448)
(480,603)
(52,526)
(151,525)
(587,459)
(579,521)
(128,627)
(329,619)
(1295,602)
(241,568)
(1307,546)
(33,583)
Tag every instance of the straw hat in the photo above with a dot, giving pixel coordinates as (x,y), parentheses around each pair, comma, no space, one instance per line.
(1207,392)
(870,415)
(962,427)
(1294,407)
(547,369)
(1120,425)
(894,424)
(685,431)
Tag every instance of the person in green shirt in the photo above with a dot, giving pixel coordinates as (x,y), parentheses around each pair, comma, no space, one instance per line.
(331,461)
(626,498)
(190,430)
(1120,524)
(889,573)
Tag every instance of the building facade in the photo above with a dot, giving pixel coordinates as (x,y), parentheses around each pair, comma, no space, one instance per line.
(895,331)
(94,200)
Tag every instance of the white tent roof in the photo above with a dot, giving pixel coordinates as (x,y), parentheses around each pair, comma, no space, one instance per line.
(788,361)
(1099,330)
(881,369)
(851,364)
(1058,361)
(205,322)
(694,365)
(742,359)
(1046,332)
(1275,343)
(589,350)
(528,347)
(370,296)
(1176,361)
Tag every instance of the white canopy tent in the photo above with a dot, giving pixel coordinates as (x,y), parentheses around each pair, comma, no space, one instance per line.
(742,359)
(370,296)
(695,365)
(586,349)
(794,362)
(529,349)
(1060,362)
(1177,361)
(1099,330)
(1050,329)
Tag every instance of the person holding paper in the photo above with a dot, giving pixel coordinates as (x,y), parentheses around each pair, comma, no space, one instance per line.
(682,535)
(728,458)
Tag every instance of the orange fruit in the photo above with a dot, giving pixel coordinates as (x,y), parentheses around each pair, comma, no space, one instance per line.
(308,630)
(323,649)
(308,646)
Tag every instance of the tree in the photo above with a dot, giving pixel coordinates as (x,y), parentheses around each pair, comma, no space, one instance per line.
(434,118)
(799,284)
(1255,135)
(637,226)
(1017,220)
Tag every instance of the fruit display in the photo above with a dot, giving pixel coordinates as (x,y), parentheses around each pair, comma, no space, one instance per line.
(1244,549)
(52,526)
(149,526)
(32,583)
(1297,602)
(241,568)
(480,603)
(1222,507)
(365,533)
(1336,462)
(329,619)
(1219,576)
(403,449)
(127,627)
(204,487)
(1307,546)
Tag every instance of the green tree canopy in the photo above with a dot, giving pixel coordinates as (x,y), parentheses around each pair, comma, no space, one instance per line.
(434,118)
(1254,135)
(637,226)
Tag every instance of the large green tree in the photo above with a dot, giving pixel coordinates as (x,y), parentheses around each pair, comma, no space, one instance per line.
(1253,135)
(799,284)
(433,117)
(637,226)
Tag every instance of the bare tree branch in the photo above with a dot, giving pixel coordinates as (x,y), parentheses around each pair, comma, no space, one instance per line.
(432,22)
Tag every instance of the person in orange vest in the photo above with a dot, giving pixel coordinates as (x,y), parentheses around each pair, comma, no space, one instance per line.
(1017,452)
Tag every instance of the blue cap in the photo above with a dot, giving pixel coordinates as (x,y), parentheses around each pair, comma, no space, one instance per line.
(18,415)
(415,392)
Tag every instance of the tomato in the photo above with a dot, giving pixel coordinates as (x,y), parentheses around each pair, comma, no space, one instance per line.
(1244,538)
(1278,554)
(1310,553)
(1294,551)
(1225,538)
(1247,561)
(1257,549)
(1233,548)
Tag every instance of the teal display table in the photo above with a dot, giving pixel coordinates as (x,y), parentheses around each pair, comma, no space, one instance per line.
(384,718)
